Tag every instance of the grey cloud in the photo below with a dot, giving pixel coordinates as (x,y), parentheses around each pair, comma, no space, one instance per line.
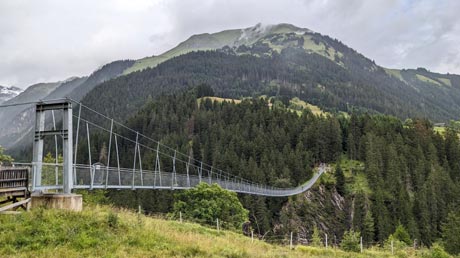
(52,40)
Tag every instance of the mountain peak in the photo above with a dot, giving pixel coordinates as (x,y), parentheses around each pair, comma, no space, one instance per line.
(260,30)
(212,41)
(7,93)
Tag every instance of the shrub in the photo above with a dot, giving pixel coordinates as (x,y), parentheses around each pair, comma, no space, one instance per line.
(112,220)
(436,251)
(350,241)
(206,203)
(402,235)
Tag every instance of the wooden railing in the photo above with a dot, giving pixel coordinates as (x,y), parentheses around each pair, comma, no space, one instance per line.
(14,178)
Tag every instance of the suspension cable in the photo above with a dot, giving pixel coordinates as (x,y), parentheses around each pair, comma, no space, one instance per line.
(164,153)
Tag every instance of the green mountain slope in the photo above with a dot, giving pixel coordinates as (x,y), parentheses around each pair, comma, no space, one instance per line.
(206,41)
(442,89)
(291,73)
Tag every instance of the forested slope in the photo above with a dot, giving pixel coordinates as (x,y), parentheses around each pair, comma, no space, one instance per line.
(403,173)
(292,73)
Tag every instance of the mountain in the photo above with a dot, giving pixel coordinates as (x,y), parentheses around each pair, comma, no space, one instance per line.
(440,92)
(17,121)
(206,41)
(105,73)
(441,89)
(284,61)
(7,93)
(281,60)
(65,88)
(314,67)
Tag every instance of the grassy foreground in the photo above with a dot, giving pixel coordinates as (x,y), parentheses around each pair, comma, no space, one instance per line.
(102,231)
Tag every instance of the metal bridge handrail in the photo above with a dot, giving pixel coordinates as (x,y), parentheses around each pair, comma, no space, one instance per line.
(102,177)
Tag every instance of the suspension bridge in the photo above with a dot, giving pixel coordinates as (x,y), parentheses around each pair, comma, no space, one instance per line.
(169,168)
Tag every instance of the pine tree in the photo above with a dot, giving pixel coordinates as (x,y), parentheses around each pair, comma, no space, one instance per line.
(359,212)
(451,233)
(402,235)
(368,228)
(339,180)
(382,217)
(316,238)
(350,241)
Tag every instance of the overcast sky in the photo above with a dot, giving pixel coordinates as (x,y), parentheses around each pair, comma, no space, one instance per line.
(50,40)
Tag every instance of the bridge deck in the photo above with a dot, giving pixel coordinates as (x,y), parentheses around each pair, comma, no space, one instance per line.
(101,177)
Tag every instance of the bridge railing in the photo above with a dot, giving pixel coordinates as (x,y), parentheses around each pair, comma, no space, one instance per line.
(99,176)
(14,177)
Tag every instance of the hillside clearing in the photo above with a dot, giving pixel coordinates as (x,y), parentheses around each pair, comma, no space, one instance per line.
(427,80)
(218,99)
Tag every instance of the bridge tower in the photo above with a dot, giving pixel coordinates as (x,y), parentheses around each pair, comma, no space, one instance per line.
(66,199)
(65,132)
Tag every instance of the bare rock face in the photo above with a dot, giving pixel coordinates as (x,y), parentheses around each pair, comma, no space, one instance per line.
(321,207)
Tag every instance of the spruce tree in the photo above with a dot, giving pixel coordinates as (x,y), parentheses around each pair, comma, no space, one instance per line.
(339,180)
(316,238)
(368,229)
(451,233)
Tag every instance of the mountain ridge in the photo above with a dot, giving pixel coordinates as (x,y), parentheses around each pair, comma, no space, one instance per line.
(334,75)
(327,73)
(7,93)
(17,122)
(212,41)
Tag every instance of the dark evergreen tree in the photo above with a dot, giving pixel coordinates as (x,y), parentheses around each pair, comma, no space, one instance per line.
(340,180)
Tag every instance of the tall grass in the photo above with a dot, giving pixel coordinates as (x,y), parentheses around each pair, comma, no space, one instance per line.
(102,231)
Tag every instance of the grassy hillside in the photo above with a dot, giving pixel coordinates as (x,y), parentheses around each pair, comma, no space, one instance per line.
(295,104)
(207,41)
(194,43)
(101,231)
(237,101)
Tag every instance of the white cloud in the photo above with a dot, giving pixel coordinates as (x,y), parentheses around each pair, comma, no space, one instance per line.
(51,40)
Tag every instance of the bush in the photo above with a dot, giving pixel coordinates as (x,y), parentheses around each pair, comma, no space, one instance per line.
(436,251)
(350,241)
(112,220)
(402,235)
(397,244)
(4,159)
(206,203)
(97,196)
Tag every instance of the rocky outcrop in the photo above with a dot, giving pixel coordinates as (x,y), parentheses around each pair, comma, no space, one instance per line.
(321,207)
